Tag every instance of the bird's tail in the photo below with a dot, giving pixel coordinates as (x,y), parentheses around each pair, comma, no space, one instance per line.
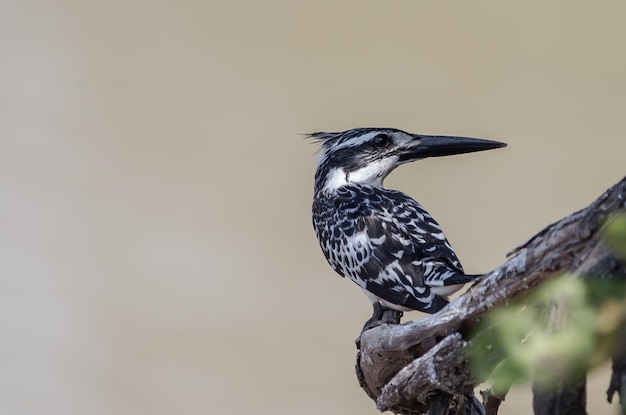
(459,278)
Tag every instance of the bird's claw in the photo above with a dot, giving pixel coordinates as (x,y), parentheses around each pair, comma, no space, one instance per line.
(388,317)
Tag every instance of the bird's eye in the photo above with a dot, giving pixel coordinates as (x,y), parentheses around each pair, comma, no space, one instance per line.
(381,140)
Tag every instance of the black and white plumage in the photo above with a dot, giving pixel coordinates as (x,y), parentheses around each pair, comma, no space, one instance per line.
(382,239)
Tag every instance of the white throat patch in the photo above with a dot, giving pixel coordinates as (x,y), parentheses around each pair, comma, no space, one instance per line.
(373,174)
(335,179)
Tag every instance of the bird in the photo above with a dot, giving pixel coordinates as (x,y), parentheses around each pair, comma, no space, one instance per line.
(382,239)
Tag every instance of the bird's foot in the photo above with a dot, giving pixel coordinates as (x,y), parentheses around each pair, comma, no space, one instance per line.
(388,317)
(379,317)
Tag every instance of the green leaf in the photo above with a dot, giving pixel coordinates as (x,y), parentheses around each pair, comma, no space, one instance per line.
(615,233)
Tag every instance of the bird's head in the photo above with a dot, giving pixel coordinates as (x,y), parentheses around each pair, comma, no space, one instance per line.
(368,155)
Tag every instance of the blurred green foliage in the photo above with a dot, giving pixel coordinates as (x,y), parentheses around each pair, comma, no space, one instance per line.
(616,233)
(559,331)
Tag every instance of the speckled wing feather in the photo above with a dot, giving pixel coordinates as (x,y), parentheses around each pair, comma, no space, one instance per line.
(388,244)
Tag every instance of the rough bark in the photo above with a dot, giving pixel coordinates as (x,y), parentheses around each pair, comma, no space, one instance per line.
(407,368)
(567,399)
(491,401)
(617,383)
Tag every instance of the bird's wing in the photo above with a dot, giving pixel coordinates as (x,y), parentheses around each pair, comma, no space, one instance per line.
(408,252)
(392,247)
(388,244)
(413,223)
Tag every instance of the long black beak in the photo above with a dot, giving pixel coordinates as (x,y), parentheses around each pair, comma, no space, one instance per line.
(435,146)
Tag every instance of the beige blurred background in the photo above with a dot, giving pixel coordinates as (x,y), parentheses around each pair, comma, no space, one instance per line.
(156,250)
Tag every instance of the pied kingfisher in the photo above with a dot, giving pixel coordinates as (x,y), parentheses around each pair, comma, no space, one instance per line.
(379,238)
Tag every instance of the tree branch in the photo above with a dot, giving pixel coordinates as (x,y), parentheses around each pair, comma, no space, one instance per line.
(403,366)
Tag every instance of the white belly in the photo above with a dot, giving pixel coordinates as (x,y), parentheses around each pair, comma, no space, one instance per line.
(446,291)
(385,304)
